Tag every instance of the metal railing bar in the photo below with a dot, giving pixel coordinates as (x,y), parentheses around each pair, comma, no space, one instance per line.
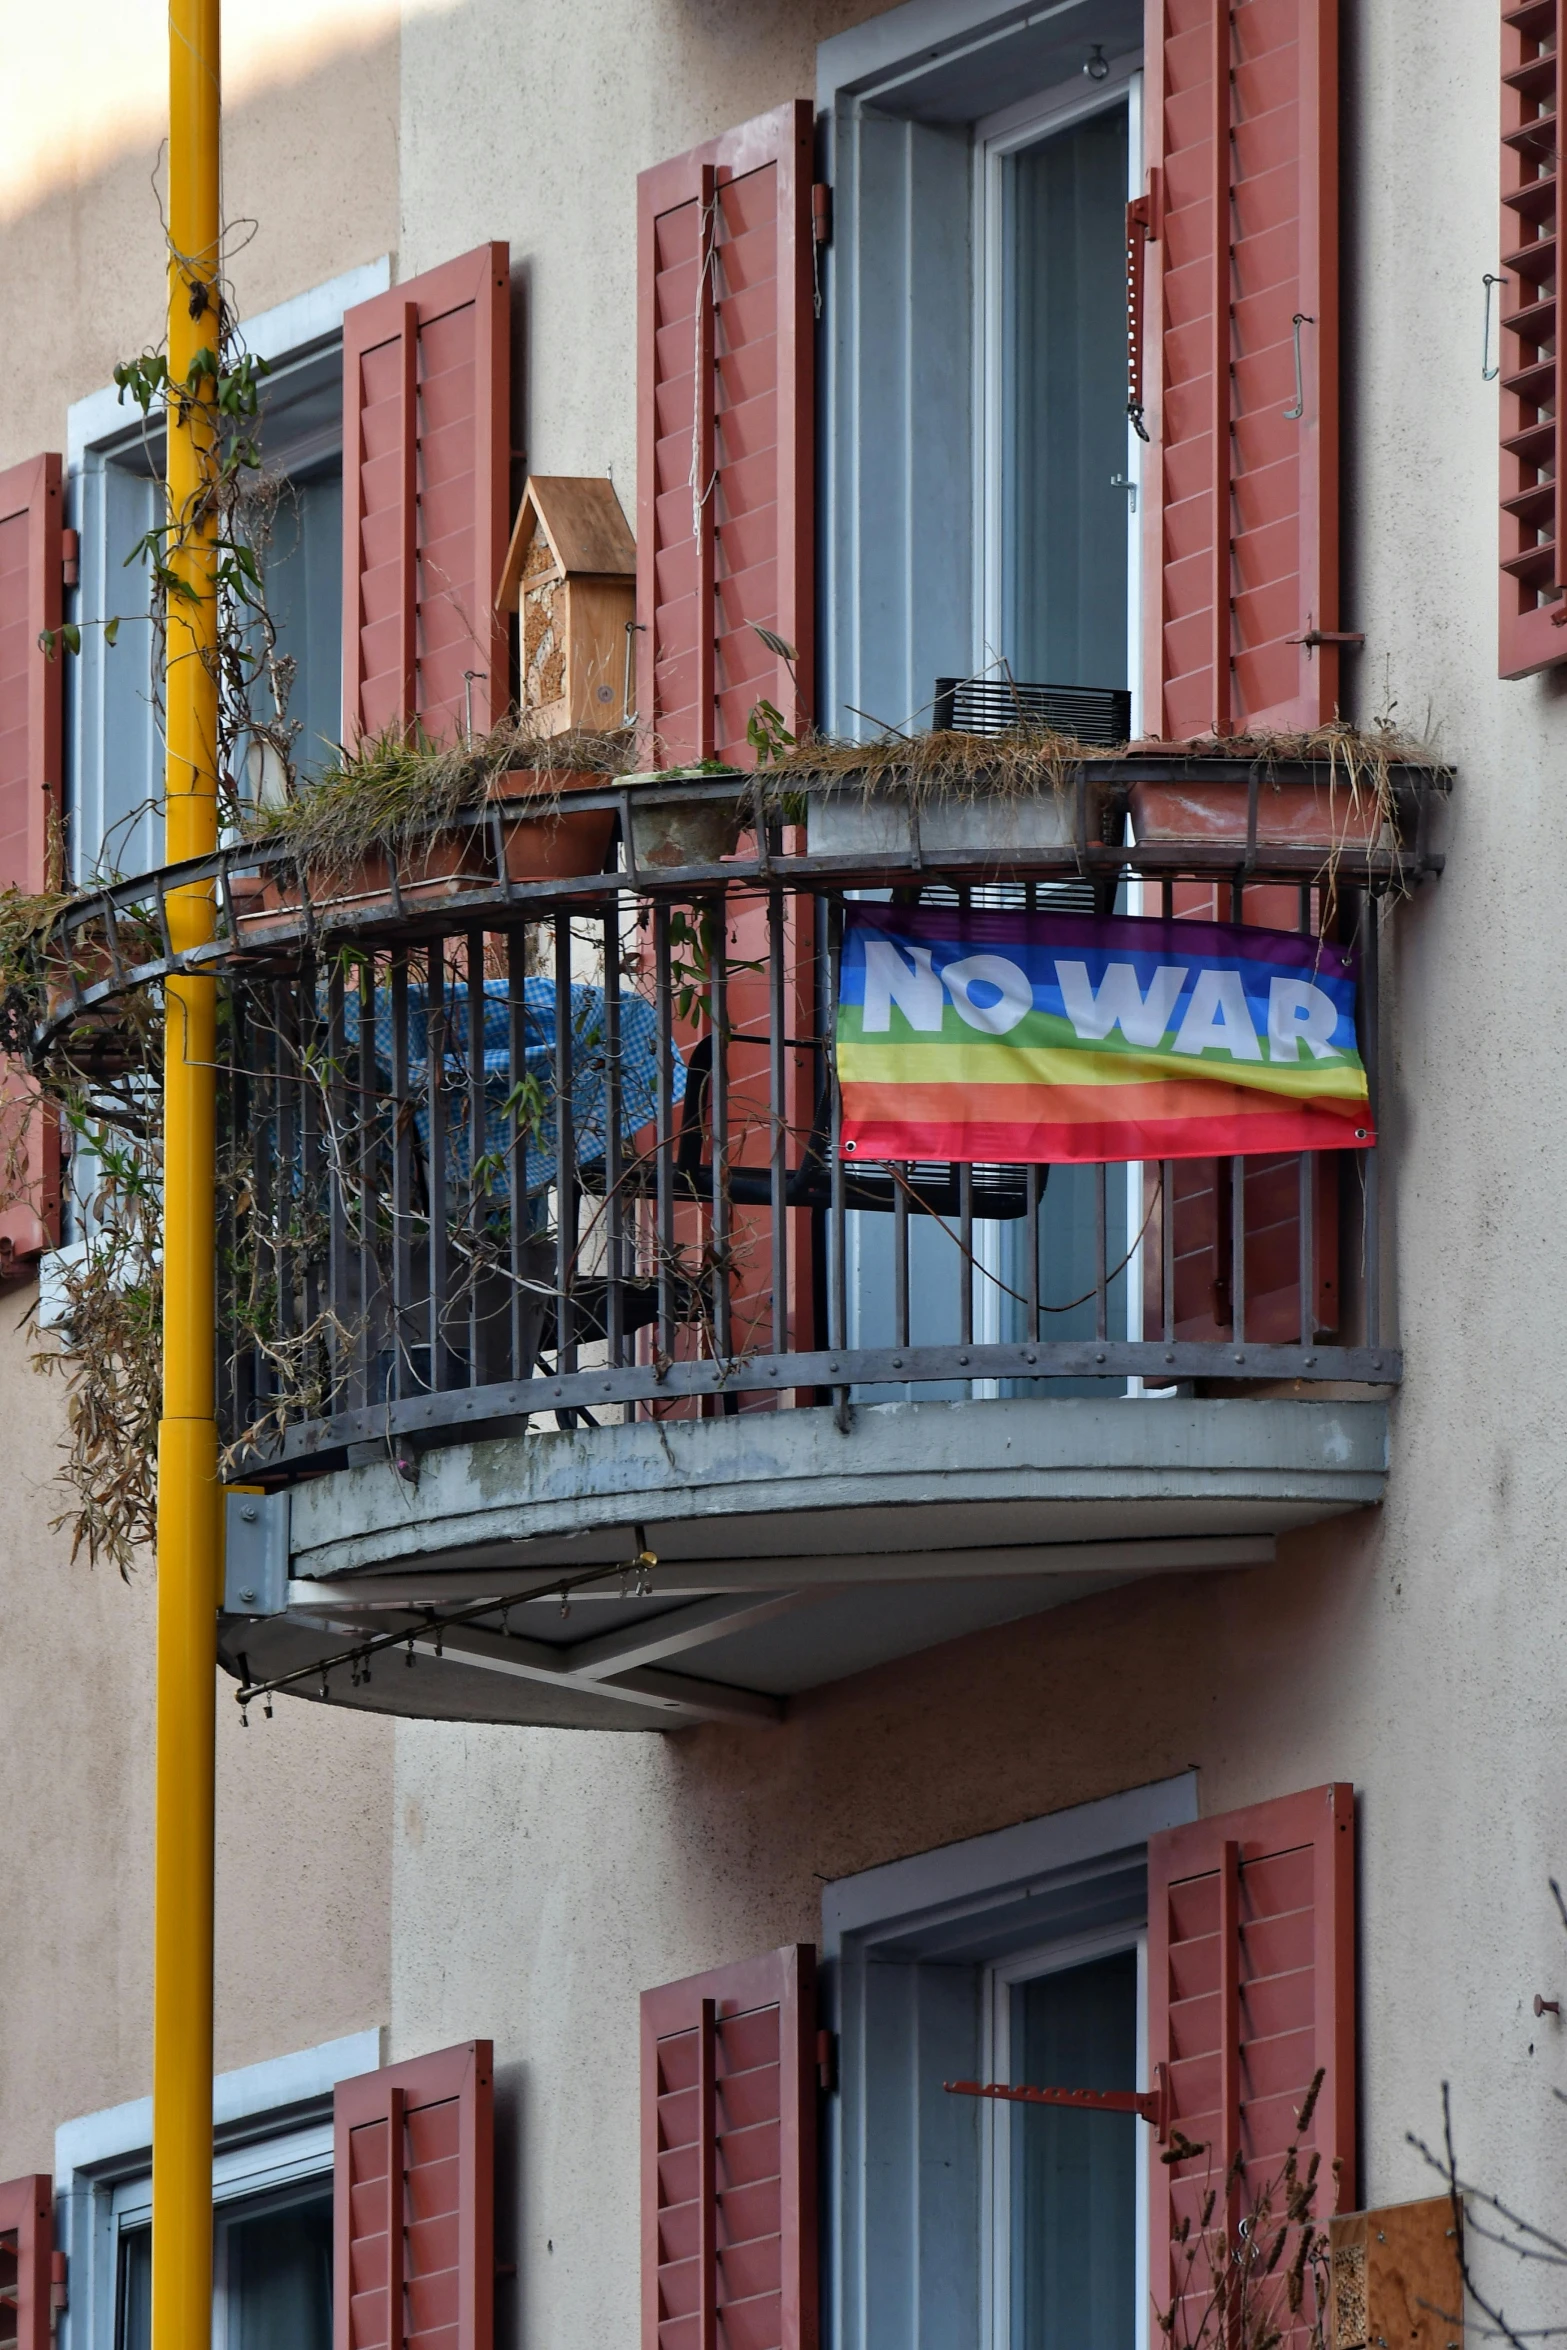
(402,1109)
(435,1089)
(778,1118)
(517,1150)
(478,1137)
(1371,1055)
(664,1132)
(565,1153)
(614,1207)
(839,1368)
(718,1120)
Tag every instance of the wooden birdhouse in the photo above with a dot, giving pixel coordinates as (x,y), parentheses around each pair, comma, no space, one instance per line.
(571,573)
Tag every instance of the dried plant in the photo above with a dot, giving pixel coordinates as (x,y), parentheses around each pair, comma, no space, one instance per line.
(1250,2266)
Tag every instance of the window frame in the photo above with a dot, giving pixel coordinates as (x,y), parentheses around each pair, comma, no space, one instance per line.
(100,433)
(272,2134)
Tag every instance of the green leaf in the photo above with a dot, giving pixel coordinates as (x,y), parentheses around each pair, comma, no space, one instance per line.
(71,636)
(111,630)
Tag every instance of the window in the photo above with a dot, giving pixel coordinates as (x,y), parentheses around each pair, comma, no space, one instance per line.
(115,760)
(1016,1956)
(272,2208)
(980,471)
(271,2277)
(1058,460)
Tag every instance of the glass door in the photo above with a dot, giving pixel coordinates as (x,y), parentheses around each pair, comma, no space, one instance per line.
(1067,2197)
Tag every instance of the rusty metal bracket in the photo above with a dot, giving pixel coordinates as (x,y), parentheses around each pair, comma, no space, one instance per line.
(1149,2105)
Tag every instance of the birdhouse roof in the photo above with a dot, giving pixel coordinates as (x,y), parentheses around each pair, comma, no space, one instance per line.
(583,526)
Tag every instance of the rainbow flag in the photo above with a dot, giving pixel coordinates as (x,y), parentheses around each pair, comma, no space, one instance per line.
(1060,1038)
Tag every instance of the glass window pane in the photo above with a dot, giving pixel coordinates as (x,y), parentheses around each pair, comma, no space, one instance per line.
(275,2266)
(1064,501)
(280,2278)
(134,2331)
(1074,2190)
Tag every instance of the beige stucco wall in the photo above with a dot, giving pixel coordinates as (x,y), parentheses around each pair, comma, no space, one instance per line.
(541,1880)
(304,1823)
(310,158)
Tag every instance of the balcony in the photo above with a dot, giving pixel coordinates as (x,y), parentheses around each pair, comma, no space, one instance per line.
(571,1373)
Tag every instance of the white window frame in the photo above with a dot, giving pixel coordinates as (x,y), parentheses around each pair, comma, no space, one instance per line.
(998,2121)
(100,430)
(996,137)
(272,2132)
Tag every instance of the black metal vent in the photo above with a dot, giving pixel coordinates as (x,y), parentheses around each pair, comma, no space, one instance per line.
(990,705)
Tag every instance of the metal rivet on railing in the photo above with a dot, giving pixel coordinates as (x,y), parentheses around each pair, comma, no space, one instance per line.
(833,1366)
(897,1362)
(1029,1355)
(963,1358)
(1099,1354)
(1239,1357)
(1310,1359)
(1169,1354)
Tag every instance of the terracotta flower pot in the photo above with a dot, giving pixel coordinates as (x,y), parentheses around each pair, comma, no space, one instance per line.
(561,842)
(1316,813)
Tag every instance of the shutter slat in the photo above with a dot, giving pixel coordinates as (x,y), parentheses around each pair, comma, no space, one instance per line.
(729,2218)
(426,498)
(1242,548)
(414,2204)
(1251,1989)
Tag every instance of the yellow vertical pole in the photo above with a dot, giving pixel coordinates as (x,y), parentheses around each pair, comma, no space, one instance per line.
(188,1546)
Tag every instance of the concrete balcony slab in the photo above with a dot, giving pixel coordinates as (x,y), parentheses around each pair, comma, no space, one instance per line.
(789,1552)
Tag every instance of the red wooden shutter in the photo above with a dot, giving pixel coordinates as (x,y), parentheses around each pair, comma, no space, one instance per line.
(32,697)
(729,2158)
(426,491)
(1251,1986)
(26,2241)
(1534,362)
(413,2196)
(725,435)
(1242,549)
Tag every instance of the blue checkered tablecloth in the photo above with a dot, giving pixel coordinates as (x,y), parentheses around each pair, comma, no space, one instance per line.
(589,1062)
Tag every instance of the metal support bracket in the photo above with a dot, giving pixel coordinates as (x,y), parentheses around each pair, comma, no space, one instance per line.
(255,1551)
(1149,2105)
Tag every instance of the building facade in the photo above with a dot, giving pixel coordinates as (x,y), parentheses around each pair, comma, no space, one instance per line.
(1175,1711)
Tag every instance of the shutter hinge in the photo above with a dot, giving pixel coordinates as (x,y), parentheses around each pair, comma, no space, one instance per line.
(827,2061)
(821,214)
(1327,636)
(71,557)
(59,2263)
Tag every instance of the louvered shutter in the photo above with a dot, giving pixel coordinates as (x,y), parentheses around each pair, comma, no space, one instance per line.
(1242,550)
(26,2241)
(729,2158)
(426,455)
(725,436)
(1251,1986)
(31,708)
(1534,363)
(413,2195)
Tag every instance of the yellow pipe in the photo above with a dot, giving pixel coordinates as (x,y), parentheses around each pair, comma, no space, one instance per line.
(188,1536)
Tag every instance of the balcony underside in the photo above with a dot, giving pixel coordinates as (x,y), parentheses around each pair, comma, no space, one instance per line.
(789,1552)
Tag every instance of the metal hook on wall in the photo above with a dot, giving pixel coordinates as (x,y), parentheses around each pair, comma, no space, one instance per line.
(1488,373)
(1294,415)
